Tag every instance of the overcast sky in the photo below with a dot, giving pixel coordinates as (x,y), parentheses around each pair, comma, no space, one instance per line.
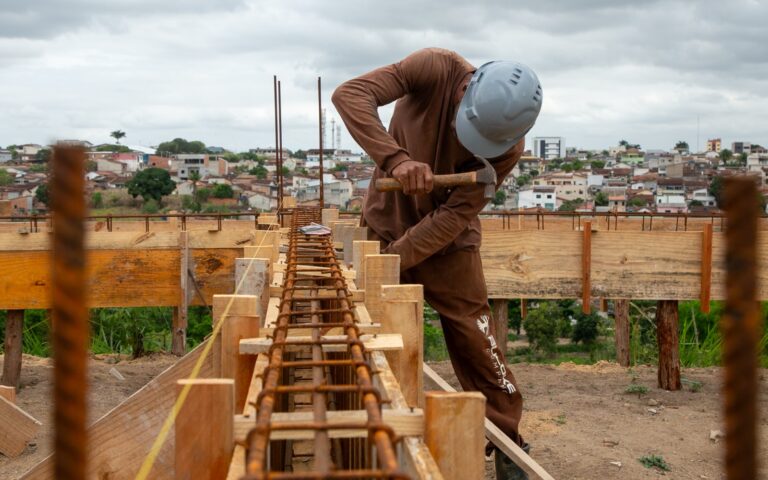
(640,70)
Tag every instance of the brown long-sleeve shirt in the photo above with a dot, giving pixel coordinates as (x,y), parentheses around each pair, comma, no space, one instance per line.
(425,84)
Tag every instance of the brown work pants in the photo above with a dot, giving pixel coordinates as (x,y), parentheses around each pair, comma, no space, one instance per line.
(454,285)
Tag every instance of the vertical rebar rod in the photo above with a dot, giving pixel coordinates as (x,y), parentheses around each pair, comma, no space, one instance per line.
(70,314)
(740,325)
(280,156)
(320,117)
(277,142)
(322,451)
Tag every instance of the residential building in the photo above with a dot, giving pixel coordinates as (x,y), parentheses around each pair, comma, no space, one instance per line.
(714,145)
(110,165)
(538,196)
(702,195)
(672,203)
(756,162)
(741,147)
(5,156)
(568,186)
(549,148)
(270,152)
(670,186)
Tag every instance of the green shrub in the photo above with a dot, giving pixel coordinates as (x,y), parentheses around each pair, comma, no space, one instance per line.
(150,206)
(654,461)
(542,327)
(587,328)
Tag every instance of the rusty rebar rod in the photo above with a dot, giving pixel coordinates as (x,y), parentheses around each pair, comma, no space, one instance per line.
(320,116)
(70,314)
(740,325)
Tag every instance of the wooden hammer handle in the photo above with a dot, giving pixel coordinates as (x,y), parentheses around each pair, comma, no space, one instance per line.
(451,180)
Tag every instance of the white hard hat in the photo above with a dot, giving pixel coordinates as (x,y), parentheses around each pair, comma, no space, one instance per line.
(500,106)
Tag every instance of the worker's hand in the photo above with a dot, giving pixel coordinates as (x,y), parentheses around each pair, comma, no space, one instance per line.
(416,177)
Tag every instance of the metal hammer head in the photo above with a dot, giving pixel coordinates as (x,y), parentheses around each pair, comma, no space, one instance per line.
(487,176)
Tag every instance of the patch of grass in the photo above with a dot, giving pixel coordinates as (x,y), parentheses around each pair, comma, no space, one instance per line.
(693,385)
(654,461)
(577,353)
(560,419)
(637,389)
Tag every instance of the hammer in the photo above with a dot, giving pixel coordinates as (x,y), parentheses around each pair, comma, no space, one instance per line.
(485,176)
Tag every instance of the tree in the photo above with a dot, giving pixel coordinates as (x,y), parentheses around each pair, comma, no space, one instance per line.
(259,171)
(623,143)
(43,155)
(695,203)
(41,194)
(91,166)
(681,146)
(96,200)
(637,202)
(222,190)
(179,145)
(5,178)
(716,189)
(117,135)
(725,155)
(151,183)
(597,164)
(341,168)
(534,173)
(570,205)
(302,154)
(541,326)
(601,199)
(113,148)
(499,198)
(743,158)
(523,180)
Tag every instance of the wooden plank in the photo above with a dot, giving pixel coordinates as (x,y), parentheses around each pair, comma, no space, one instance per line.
(586,268)
(8,393)
(273,310)
(16,428)
(252,278)
(237,465)
(225,306)
(405,422)
(454,433)
(706,267)
(121,439)
(180,312)
(669,344)
(361,248)
(204,429)
(233,365)
(328,215)
(499,439)
(404,314)
(379,270)
(14,331)
(382,342)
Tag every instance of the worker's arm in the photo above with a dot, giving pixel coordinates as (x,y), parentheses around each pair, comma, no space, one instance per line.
(445,223)
(357,102)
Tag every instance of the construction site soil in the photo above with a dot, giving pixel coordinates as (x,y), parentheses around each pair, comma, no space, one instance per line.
(579,420)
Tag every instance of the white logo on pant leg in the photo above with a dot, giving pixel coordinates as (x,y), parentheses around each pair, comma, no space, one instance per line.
(483,324)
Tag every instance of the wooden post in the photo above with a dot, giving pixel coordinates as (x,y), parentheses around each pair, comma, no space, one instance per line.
(500,314)
(586,268)
(667,336)
(379,270)
(706,267)
(361,248)
(233,365)
(351,235)
(180,313)
(256,282)
(404,314)
(621,334)
(233,305)
(454,432)
(14,328)
(205,429)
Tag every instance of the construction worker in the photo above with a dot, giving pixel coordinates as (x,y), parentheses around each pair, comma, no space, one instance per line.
(447,112)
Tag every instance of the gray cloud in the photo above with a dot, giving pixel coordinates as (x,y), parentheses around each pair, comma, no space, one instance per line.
(644,70)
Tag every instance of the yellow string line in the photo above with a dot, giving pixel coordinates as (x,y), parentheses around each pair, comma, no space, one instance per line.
(162,436)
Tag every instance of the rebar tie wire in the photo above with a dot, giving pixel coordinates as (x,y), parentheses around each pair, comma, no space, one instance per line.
(318,251)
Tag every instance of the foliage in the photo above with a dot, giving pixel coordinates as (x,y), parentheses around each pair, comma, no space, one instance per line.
(716,189)
(541,326)
(41,194)
(113,148)
(38,168)
(5,177)
(341,168)
(259,171)
(681,146)
(725,155)
(534,173)
(654,461)
(601,199)
(180,145)
(523,180)
(150,206)
(743,158)
(695,203)
(638,202)
(302,154)
(222,190)
(97,200)
(91,165)
(117,135)
(571,205)
(202,195)
(587,328)
(434,341)
(286,171)
(188,203)
(44,155)
(151,183)
(499,198)
(597,164)
(636,389)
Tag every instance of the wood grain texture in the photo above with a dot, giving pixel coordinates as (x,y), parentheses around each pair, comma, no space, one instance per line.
(454,433)
(667,315)
(404,314)
(16,428)
(621,335)
(12,348)
(122,438)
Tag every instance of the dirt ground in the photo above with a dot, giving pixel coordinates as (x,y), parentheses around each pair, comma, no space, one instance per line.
(577,418)
(105,393)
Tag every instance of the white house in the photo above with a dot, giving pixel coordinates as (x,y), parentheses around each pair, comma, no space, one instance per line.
(538,196)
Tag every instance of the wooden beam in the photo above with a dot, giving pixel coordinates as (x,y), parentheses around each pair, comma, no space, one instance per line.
(252,278)
(405,422)
(180,312)
(379,270)
(233,365)
(14,330)
(237,465)
(586,268)
(500,314)
(8,393)
(454,433)
(16,429)
(231,306)
(669,344)
(351,235)
(404,314)
(204,429)
(382,342)
(706,267)
(499,439)
(622,331)
(361,248)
